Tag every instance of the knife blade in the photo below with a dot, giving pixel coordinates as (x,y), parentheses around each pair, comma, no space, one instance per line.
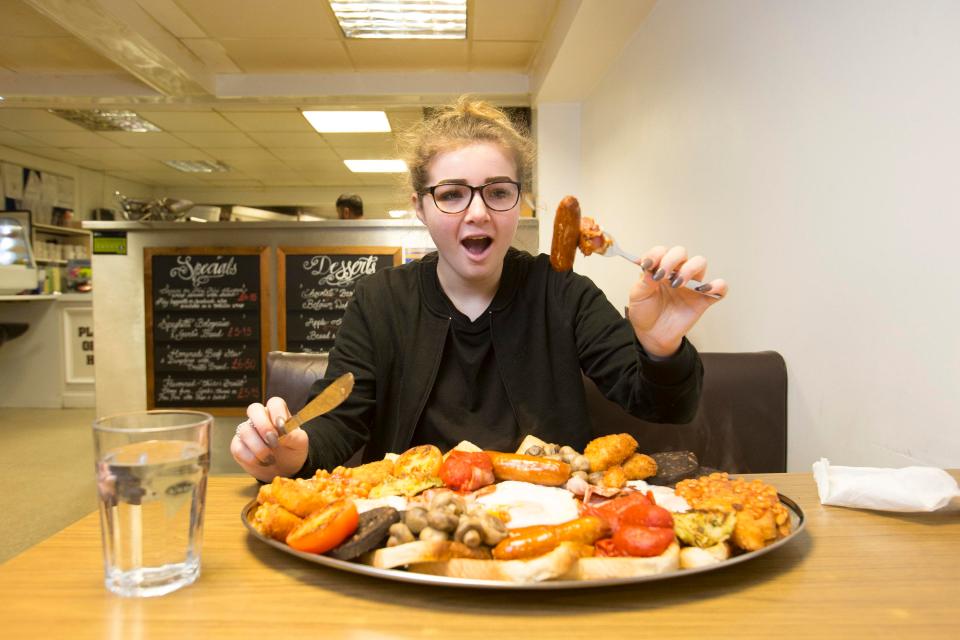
(326,400)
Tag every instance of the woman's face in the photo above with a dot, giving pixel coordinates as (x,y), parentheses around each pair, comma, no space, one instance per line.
(471,244)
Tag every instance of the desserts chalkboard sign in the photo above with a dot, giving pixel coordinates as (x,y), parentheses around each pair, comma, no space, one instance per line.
(207,320)
(315,286)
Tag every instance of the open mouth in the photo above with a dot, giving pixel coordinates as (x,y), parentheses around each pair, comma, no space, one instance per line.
(476,245)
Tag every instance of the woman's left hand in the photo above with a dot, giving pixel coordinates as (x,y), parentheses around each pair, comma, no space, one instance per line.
(661,309)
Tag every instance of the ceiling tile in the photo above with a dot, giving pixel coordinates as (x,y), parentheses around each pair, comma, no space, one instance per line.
(172,18)
(257,165)
(422,55)
(229,155)
(513,56)
(52,55)
(73,139)
(259,19)
(14,139)
(175,153)
(379,142)
(287,55)
(186,121)
(216,139)
(260,121)
(17,19)
(304,154)
(383,179)
(401,120)
(511,20)
(324,179)
(366,153)
(291,140)
(35,120)
(145,139)
(213,55)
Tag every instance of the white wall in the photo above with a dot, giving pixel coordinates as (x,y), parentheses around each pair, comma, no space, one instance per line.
(93,189)
(810,151)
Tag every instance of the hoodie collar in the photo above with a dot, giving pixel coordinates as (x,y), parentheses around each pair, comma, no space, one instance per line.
(434,299)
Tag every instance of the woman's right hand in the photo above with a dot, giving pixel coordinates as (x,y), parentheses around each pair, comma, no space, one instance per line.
(258,448)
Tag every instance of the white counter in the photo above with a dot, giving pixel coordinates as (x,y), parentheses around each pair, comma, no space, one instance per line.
(47,366)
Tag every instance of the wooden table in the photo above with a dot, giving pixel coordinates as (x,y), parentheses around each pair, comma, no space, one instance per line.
(851,574)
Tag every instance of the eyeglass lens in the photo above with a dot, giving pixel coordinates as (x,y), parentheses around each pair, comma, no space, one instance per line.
(454,198)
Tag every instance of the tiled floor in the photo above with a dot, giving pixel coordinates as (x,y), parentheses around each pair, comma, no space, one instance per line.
(47,471)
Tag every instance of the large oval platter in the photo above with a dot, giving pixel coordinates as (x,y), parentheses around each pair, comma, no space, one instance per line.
(797,519)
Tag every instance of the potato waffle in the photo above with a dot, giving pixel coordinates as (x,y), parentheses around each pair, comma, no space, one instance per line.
(761,517)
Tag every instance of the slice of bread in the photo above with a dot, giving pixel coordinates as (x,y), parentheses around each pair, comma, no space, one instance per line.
(549,566)
(696,557)
(421,551)
(597,568)
(528,442)
(466,446)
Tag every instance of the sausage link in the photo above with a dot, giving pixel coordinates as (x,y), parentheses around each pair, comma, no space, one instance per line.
(533,469)
(566,234)
(529,542)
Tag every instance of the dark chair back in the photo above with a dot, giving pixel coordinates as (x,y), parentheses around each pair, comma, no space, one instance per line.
(741,425)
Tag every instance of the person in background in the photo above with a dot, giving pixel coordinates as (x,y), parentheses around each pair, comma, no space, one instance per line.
(480,341)
(349,207)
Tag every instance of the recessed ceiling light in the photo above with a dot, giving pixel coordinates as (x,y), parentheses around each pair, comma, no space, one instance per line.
(348,121)
(197,166)
(420,19)
(100,120)
(376,166)
(398,213)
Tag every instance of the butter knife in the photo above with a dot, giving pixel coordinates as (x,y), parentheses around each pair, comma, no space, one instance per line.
(328,399)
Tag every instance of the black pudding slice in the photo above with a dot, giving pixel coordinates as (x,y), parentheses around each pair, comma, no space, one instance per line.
(478,244)
(371,531)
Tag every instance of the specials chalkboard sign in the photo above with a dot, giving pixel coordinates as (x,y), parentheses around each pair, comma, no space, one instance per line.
(315,286)
(207,322)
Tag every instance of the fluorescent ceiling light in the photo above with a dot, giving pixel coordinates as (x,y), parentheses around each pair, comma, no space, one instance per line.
(197,166)
(376,166)
(348,121)
(101,120)
(420,19)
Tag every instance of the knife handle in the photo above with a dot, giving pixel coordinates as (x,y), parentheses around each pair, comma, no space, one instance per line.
(284,427)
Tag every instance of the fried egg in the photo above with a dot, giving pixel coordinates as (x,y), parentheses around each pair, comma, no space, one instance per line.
(528,504)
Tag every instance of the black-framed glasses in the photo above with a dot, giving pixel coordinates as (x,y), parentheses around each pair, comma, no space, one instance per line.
(499,195)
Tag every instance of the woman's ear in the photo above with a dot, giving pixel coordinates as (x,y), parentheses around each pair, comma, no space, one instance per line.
(417,203)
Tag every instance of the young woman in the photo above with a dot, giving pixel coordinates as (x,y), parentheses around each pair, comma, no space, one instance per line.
(480,341)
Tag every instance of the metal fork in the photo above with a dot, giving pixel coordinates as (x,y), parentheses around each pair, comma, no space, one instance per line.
(613,249)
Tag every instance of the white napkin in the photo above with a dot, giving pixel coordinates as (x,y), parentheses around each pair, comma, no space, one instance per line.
(907,489)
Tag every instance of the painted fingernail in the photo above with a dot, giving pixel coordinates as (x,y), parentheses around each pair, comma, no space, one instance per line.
(269,462)
(705,287)
(676,282)
(646,264)
(272,439)
(659,275)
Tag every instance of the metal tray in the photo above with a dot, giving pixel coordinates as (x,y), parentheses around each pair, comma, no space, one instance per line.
(797,519)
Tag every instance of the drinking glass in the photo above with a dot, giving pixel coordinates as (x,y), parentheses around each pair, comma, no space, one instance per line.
(152,479)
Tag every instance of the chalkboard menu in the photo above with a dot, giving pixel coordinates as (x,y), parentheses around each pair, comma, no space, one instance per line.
(316,283)
(207,325)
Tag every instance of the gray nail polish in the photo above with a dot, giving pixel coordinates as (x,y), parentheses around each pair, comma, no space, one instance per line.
(659,275)
(646,264)
(705,287)
(676,282)
(270,461)
(272,439)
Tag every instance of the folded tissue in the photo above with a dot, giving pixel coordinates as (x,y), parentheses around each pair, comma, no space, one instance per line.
(907,489)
